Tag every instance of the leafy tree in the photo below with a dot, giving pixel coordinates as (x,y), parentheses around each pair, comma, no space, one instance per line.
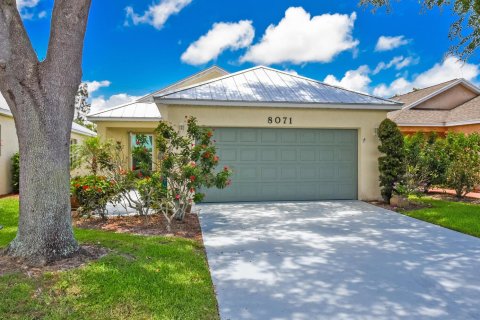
(41,96)
(468,12)
(463,172)
(392,163)
(187,163)
(95,154)
(82,107)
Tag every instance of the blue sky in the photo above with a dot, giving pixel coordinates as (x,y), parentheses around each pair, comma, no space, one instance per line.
(135,47)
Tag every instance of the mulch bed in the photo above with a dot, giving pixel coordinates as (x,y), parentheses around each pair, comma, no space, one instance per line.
(411,206)
(449,197)
(141,225)
(86,254)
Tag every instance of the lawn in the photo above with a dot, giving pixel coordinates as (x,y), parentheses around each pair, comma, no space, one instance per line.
(142,278)
(459,216)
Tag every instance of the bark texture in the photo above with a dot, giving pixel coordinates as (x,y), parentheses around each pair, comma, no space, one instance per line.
(41,96)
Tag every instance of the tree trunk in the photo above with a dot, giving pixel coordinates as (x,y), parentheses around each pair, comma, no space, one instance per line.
(45,225)
(41,96)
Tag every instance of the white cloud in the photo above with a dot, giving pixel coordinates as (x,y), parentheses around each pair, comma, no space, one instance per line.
(385,43)
(291,71)
(398,62)
(357,80)
(42,14)
(101,103)
(157,14)
(93,86)
(21,4)
(300,38)
(447,70)
(221,37)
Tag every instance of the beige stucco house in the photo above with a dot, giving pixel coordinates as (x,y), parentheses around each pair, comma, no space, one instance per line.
(9,144)
(449,106)
(286,137)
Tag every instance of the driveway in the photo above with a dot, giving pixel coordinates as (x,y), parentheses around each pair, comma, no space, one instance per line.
(337,260)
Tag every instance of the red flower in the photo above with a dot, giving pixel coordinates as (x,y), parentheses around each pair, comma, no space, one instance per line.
(192,190)
(216,158)
(177,196)
(225,168)
(209,134)
(138,142)
(140,175)
(229,182)
(206,155)
(85,187)
(192,178)
(77,185)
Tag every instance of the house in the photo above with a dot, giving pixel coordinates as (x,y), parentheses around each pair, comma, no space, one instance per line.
(286,137)
(9,144)
(450,106)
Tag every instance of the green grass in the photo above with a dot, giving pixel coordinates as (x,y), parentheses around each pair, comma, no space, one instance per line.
(458,216)
(142,278)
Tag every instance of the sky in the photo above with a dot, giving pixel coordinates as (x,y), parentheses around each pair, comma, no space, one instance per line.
(136,47)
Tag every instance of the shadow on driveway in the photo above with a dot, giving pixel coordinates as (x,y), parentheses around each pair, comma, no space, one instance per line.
(337,260)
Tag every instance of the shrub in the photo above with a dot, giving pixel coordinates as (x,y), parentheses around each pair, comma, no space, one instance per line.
(16,172)
(93,193)
(463,171)
(392,163)
(187,163)
(96,155)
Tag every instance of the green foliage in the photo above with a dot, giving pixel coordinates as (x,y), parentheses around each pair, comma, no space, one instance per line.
(96,155)
(468,12)
(16,172)
(426,160)
(463,172)
(187,163)
(392,163)
(93,193)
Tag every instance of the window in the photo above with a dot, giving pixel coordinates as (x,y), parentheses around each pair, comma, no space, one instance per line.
(73,154)
(141,146)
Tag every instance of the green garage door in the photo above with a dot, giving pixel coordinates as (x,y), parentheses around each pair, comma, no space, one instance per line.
(287,164)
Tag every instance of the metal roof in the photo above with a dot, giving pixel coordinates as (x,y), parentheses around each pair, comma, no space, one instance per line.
(76,128)
(263,85)
(133,111)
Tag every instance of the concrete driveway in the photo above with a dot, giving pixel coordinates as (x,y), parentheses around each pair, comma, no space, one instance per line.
(337,260)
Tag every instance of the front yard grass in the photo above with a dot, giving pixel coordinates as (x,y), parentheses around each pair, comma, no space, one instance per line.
(459,216)
(141,278)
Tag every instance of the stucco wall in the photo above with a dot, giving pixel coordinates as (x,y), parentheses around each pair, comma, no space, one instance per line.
(119,131)
(449,99)
(9,146)
(362,120)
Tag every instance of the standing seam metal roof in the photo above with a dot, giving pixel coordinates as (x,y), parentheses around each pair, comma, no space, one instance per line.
(263,84)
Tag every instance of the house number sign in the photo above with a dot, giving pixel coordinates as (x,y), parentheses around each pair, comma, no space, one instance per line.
(279,120)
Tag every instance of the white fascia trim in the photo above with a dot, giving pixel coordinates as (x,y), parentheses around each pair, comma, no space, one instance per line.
(443,89)
(356,106)
(94,119)
(6,113)
(92,134)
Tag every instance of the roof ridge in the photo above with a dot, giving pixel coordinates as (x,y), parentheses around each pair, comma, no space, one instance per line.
(441,83)
(115,107)
(279,71)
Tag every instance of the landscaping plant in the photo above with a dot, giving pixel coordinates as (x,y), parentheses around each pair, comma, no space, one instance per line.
(94,154)
(463,172)
(93,193)
(16,172)
(187,163)
(392,163)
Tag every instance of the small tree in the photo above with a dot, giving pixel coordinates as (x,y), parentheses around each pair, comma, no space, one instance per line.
(392,163)
(187,163)
(463,172)
(95,154)
(82,107)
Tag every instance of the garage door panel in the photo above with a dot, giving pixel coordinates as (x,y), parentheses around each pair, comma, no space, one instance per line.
(287,164)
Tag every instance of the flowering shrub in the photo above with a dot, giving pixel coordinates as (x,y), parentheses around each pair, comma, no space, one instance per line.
(93,193)
(187,163)
(142,156)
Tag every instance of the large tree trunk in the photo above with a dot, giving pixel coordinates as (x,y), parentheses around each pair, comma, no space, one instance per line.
(45,226)
(41,96)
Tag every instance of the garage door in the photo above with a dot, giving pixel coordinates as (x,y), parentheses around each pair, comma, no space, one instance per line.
(287,164)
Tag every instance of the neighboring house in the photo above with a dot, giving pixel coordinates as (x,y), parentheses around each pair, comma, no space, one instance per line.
(9,144)
(450,106)
(286,137)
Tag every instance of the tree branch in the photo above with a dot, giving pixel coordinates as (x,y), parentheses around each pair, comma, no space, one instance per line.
(65,48)
(18,60)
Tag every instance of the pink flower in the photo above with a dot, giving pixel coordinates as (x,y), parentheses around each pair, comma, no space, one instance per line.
(225,168)
(177,196)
